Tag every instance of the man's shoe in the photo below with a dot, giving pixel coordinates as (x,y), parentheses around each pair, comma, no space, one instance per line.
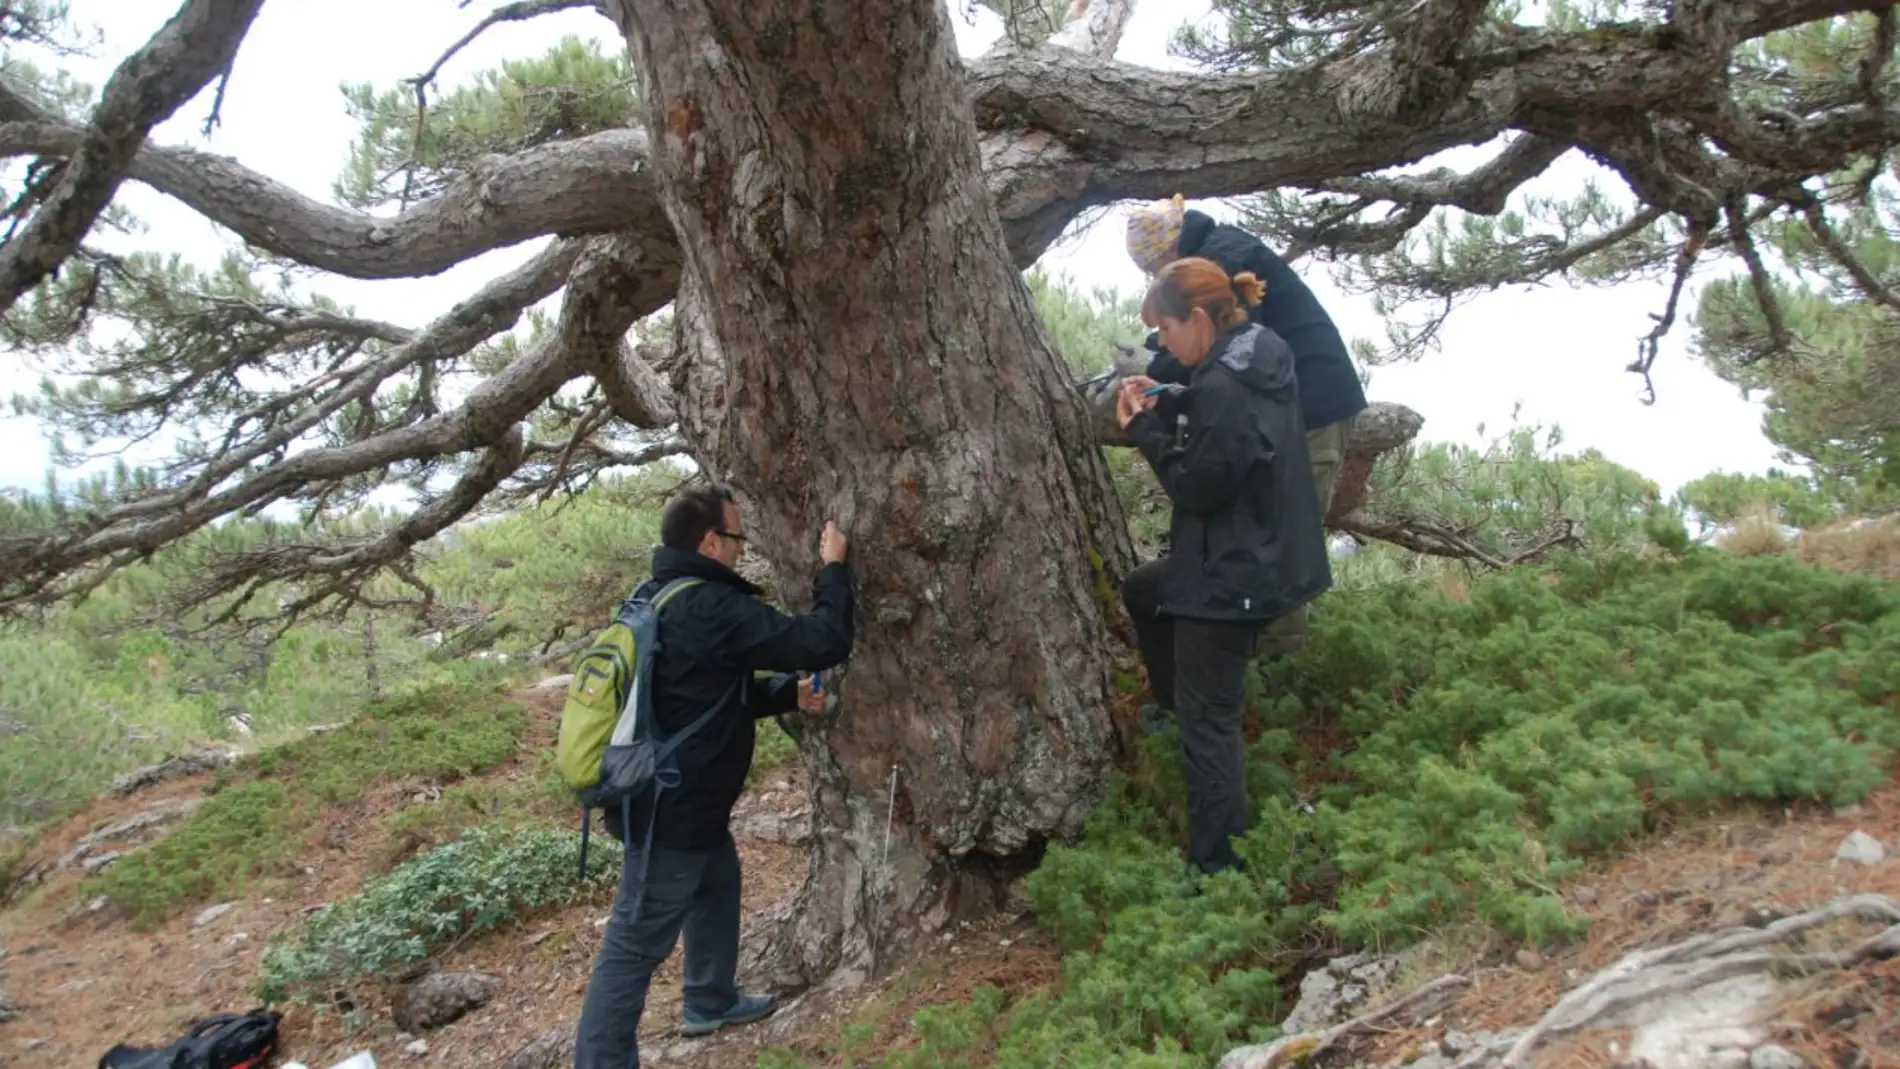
(748,1009)
(1153,719)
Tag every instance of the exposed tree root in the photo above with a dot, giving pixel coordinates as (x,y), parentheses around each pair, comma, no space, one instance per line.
(1640,977)
(1706,959)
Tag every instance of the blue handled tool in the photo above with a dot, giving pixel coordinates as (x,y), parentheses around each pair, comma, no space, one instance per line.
(817,682)
(1159,387)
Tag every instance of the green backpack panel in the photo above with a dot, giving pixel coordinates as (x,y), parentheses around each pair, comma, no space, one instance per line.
(601,700)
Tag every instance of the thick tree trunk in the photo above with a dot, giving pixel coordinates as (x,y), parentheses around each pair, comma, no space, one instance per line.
(863,348)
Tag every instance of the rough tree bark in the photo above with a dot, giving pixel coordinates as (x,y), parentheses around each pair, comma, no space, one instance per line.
(865,349)
(837,203)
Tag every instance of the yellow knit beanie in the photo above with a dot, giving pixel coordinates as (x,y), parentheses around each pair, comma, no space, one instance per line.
(1153,229)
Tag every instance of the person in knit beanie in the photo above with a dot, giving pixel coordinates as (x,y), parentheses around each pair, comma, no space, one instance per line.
(1153,230)
(1331,396)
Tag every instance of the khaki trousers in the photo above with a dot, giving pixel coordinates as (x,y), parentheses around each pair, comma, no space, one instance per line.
(1326,448)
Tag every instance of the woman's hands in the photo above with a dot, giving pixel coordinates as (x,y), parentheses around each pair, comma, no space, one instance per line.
(1132,398)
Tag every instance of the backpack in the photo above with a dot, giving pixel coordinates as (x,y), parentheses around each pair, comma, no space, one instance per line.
(607,750)
(222,1041)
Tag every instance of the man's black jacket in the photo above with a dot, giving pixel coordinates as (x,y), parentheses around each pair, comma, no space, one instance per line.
(1246,541)
(712,637)
(1329,387)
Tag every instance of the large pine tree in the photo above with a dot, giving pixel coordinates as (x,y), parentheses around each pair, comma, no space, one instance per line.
(836,207)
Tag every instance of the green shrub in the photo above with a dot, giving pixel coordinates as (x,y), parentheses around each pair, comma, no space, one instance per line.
(465,806)
(774,748)
(435,732)
(257,820)
(1501,739)
(441,898)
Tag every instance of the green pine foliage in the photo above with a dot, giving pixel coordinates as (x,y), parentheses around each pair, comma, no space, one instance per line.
(99,688)
(554,571)
(1831,398)
(1085,327)
(1723,498)
(573,89)
(1504,735)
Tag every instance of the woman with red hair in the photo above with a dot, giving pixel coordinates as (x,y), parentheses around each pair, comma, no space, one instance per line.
(1331,396)
(1246,545)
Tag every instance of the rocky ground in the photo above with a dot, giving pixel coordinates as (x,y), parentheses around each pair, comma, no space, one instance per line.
(74,981)
(1766,940)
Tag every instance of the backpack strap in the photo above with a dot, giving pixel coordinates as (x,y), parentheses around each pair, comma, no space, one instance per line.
(666,592)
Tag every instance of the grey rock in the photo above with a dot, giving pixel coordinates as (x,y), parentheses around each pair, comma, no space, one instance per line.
(1861,847)
(1255,1057)
(791,827)
(1773,1057)
(1330,992)
(1729,1058)
(183,765)
(9,1010)
(417,1049)
(559,682)
(792,1015)
(442,997)
(212,913)
(682,1051)
(134,826)
(97,863)
(549,1050)
(1456,1043)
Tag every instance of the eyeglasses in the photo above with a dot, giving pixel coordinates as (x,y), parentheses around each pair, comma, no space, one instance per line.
(734,535)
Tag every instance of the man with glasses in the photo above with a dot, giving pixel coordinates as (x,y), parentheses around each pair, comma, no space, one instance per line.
(717,641)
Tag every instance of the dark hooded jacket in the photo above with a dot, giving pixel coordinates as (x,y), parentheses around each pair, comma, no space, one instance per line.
(720,644)
(1246,542)
(1329,387)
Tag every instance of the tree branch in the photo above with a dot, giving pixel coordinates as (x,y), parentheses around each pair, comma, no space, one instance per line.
(634,389)
(589,184)
(347,568)
(1483,191)
(1757,275)
(1879,51)
(1650,346)
(249,475)
(1815,216)
(188,51)
(1064,132)
(518,11)
(1434,540)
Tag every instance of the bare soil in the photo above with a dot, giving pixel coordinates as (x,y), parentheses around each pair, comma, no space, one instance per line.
(85,981)
(1742,868)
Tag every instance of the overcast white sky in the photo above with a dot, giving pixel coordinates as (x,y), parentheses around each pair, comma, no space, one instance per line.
(1557,352)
